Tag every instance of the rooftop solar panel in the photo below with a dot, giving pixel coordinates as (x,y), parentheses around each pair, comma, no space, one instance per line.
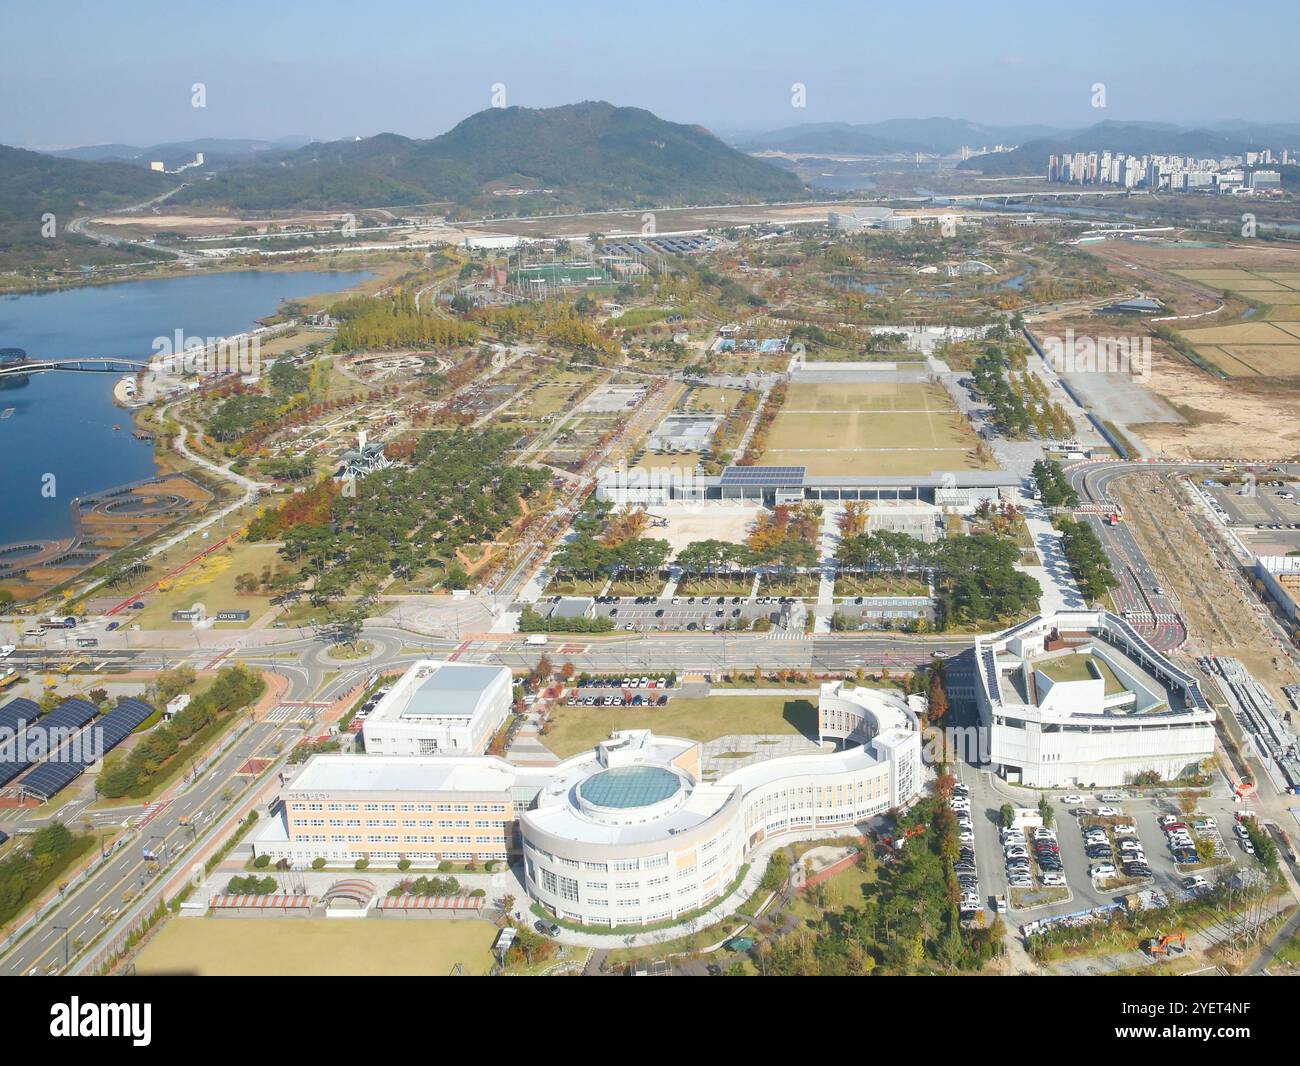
(10,770)
(771,476)
(51,778)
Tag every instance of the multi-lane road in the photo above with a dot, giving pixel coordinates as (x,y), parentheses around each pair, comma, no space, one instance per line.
(105,900)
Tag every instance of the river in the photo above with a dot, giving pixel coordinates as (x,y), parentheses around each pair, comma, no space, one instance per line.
(61,424)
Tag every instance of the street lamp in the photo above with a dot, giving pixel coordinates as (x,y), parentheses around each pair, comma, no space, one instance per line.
(65,930)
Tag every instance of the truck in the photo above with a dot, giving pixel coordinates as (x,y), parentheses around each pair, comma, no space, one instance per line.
(536,639)
(87,642)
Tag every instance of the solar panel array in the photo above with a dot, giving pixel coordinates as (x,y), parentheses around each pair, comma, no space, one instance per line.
(778,477)
(122,721)
(59,771)
(18,712)
(50,778)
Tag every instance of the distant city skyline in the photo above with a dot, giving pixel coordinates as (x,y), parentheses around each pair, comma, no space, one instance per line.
(331,69)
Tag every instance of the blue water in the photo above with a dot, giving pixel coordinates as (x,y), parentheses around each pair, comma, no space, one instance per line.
(62,424)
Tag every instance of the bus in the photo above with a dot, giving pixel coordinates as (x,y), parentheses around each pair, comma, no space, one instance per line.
(9,677)
(87,642)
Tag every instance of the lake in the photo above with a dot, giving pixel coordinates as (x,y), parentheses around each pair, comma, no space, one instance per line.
(62,423)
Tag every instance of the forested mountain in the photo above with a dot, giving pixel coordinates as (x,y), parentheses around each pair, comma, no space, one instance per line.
(33,184)
(590,154)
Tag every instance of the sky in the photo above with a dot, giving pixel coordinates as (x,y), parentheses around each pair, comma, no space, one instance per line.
(75,72)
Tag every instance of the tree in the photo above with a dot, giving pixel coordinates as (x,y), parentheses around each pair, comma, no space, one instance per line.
(1007,815)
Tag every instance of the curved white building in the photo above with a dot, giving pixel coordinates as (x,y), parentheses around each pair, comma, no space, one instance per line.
(630,834)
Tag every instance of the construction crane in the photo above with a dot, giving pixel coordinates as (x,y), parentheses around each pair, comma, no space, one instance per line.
(1169,944)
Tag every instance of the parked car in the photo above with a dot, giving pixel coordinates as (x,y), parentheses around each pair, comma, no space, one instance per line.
(1101,869)
(1072,798)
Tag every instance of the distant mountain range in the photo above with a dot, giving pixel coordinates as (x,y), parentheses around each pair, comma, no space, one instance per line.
(1138,138)
(893,136)
(506,160)
(1035,142)
(174,153)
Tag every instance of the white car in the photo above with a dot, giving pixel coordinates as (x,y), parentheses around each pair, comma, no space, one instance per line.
(1020,882)
(1101,869)
(1125,830)
(1072,798)
(1052,880)
(966,837)
(1012,838)
(1017,852)
(1108,812)
(7,650)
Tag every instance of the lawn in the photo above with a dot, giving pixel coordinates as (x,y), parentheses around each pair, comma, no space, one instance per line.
(879,463)
(798,585)
(715,586)
(649,585)
(880,585)
(576,729)
(211,582)
(571,586)
(317,947)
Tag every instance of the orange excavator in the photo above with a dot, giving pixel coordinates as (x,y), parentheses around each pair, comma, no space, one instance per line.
(1169,944)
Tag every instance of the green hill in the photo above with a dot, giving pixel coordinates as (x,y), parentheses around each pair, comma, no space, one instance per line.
(33,184)
(587,155)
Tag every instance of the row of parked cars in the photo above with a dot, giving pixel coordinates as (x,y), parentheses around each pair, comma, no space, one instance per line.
(1178,835)
(638,700)
(1131,856)
(627,682)
(1047,854)
(965,867)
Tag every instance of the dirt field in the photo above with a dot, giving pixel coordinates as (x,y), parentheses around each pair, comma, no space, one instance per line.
(318,947)
(692,522)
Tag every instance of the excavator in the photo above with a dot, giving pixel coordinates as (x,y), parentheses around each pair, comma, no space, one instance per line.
(1169,944)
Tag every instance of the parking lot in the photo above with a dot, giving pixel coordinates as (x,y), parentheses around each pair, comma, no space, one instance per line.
(987,795)
(1265,514)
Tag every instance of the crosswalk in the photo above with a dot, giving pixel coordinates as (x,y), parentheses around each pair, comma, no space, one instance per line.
(290,712)
(786,634)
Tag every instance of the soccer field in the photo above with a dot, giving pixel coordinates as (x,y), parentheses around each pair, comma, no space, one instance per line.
(318,947)
(862,428)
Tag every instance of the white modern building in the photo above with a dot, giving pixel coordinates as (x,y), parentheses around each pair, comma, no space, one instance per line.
(1079,698)
(629,833)
(440,708)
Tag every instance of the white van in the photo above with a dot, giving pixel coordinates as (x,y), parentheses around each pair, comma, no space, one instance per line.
(536,639)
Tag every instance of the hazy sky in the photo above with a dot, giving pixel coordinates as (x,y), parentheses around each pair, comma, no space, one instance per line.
(76,72)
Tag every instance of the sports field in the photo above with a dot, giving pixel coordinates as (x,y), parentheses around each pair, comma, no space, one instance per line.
(845,428)
(318,947)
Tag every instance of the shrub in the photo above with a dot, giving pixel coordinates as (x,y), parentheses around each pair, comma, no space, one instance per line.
(444,866)
(318,863)
(361,864)
(403,864)
(262,862)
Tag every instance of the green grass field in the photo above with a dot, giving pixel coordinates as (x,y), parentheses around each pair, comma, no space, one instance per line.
(211,582)
(317,947)
(577,729)
(870,428)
